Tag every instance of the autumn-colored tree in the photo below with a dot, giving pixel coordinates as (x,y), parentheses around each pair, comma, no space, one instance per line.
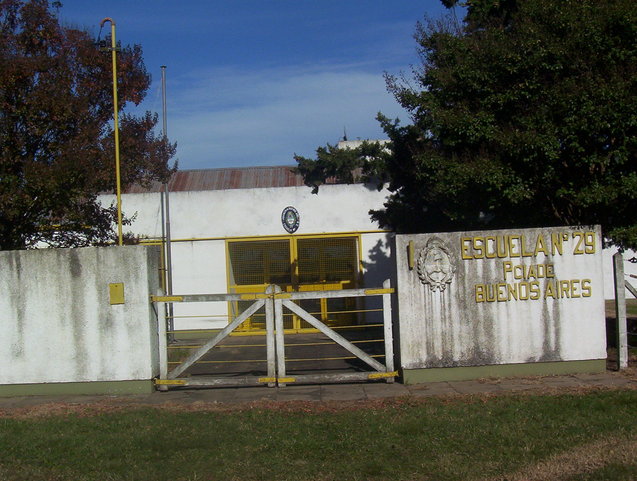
(523,115)
(56,136)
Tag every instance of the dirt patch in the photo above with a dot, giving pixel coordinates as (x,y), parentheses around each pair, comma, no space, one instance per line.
(538,387)
(580,460)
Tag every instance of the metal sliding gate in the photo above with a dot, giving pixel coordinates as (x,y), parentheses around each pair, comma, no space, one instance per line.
(275,303)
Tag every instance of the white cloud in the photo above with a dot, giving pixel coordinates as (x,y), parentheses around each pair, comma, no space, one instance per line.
(229,117)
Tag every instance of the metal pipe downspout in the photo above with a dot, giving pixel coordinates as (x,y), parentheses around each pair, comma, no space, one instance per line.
(163,240)
(169,268)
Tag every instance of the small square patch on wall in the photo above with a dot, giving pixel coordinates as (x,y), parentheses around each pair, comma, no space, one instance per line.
(116,293)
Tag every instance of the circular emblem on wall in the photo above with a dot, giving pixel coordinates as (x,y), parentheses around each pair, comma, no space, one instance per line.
(290,219)
(435,265)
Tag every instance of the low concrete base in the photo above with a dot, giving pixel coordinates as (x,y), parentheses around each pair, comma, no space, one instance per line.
(77,388)
(419,376)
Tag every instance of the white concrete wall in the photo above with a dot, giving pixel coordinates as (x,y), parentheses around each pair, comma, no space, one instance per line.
(254,212)
(452,324)
(57,321)
(199,266)
(629,268)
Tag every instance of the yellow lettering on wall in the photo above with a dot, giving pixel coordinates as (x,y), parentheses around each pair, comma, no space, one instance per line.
(540,245)
(502,292)
(507,267)
(465,245)
(586,288)
(522,271)
(556,243)
(541,270)
(478,247)
(491,293)
(564,289)
(535,290)
(512,251)
(480,297)
(550,272)
(527,290)
(575,288)
(579,247)
(549,290)
(589,242)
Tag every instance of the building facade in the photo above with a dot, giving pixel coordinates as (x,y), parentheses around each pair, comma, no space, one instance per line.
(241,229)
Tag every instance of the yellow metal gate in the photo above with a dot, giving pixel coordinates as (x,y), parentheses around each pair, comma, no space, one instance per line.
(275,301)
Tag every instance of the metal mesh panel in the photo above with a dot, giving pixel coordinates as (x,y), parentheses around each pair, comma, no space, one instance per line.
(260,262)
(320,264)
(327,260)
(328,264)
(254,265)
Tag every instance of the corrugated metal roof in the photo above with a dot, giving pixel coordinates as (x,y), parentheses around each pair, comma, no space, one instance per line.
(228,178)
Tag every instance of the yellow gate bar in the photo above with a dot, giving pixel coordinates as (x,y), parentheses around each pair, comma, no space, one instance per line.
(275,379)
(372,292)
(171,382)
(166,298)
(382,375)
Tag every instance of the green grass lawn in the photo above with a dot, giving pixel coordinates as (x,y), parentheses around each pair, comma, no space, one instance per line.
(580,437)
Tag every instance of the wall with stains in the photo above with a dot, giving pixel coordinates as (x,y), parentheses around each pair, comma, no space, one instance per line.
(58,324)
(500,297)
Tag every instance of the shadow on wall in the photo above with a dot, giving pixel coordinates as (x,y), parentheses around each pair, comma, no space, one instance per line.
(378,268)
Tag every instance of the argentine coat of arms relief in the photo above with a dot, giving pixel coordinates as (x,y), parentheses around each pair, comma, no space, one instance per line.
(435,265)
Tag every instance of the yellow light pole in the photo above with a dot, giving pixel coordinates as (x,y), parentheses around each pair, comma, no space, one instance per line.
(116,126)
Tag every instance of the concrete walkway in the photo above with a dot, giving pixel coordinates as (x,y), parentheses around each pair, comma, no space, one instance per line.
(344,392)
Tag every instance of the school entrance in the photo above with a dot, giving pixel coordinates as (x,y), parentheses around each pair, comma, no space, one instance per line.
(279,358)
(297,264)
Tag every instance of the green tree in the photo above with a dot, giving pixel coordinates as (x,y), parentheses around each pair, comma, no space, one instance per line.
(524,115)
(56,136)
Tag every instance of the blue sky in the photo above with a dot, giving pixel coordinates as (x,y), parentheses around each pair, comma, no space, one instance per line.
(254,82)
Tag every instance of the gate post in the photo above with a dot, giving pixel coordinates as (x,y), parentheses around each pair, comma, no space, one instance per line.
(387,326)
(620,311)
(162,339)
(280,337)
(269,335)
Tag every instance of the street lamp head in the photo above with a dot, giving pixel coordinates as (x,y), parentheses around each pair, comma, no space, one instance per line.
(103,44)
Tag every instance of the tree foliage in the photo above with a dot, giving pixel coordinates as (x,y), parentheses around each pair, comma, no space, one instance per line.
(524,115)
(56,135)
